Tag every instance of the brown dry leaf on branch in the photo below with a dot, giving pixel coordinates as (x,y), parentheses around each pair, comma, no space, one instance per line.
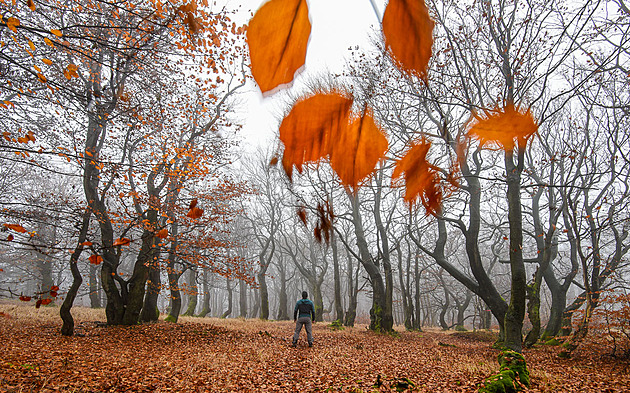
(278,36)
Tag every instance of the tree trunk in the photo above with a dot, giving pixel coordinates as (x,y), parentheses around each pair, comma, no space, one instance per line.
(150,311)
(95,298)
(229,293)
(378,320)
(336,279)
(283,298)
(205,307)
(67,328)
(242,298)
(515,314)
(192,293)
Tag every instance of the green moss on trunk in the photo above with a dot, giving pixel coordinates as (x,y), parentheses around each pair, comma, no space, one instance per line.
(512,377)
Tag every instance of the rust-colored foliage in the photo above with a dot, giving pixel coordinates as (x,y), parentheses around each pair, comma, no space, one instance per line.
(30,4)
(358,149)
(162,233)
(277,36)
(307,130)
(123,241)
(503,127)
(324,228)
(195,213)
(408,31)
(25,298)
(10,238)
(86,244)
(15,227)
(95,259)
(301,213)
(421,178)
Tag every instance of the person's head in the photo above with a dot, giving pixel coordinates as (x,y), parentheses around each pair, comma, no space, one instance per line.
(304,294)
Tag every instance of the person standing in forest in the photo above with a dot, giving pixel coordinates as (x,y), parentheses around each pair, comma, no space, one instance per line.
(303,315)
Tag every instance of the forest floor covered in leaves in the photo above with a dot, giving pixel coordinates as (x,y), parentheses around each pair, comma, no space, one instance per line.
(208,354)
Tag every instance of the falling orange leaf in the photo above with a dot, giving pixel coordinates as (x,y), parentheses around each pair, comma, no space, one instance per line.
(193,203)
(54,288)
(421,178)
(53,293)
(95,259)
(56,32)
(13,23)
(47,61)
(25,298)
(408,31)
(277,36)
(30,4)
(10,238)
(503,127)
(357,150)
(195,213)
(123,241)
(15,227)
(86,244)
(162,234)
(307,130)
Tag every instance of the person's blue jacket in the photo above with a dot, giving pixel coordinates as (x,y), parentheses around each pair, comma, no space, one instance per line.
(305,308)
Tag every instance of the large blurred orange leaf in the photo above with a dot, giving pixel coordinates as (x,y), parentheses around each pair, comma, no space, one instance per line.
(421,178)
(504,127)
(277,36)
(357,150)
(307,130)
(408,31)
(15,227)
(162,233)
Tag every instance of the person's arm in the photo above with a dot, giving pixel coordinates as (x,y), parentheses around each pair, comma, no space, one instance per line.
(313,311)
(295,312)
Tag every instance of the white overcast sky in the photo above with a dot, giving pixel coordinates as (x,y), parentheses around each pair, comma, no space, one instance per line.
(336,25)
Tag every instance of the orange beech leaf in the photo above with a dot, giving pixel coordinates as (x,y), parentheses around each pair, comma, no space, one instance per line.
(274,161)
(421,178)
(307,130)
(15,227)
(357,150)
(38,303)
(25,298)
(53,293)
(277,36)
(503,127)
(57,33)
(45,302)
(193,203)
(54,288)
(96,259)
(10,238)
(408,31)
(86,244)
(195,213)
(12,23)
(30,4)
(47,61)
(123,241)
(162,233)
